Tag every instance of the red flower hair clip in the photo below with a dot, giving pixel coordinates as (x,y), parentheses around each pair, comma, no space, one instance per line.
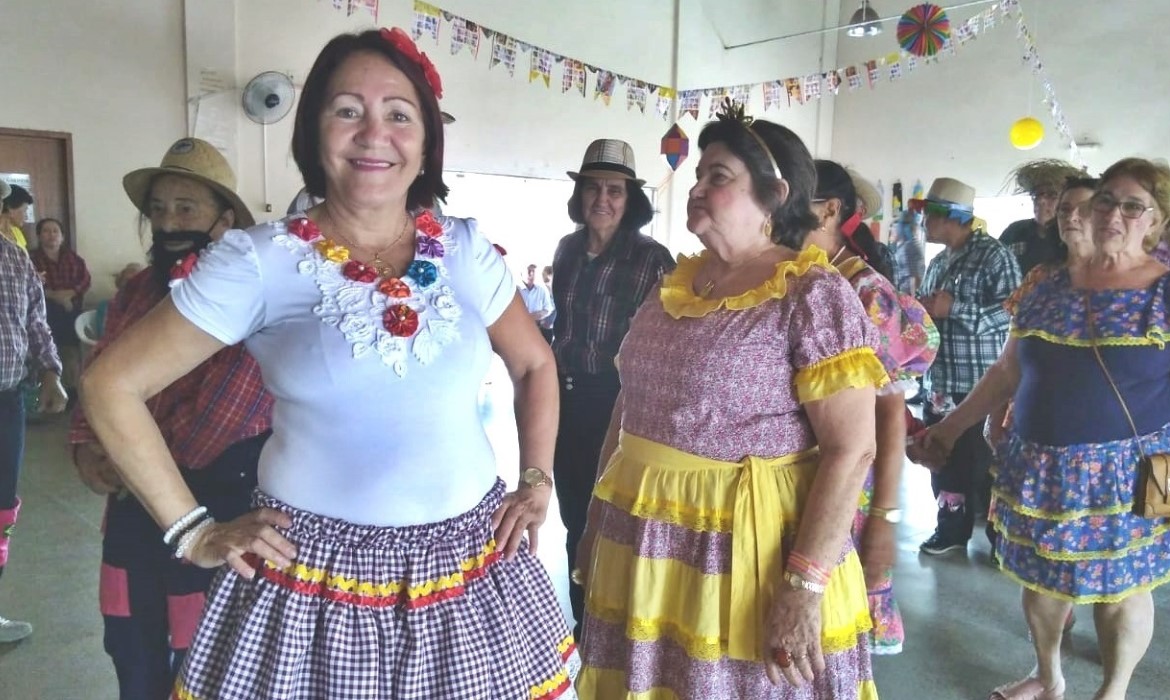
(406,46)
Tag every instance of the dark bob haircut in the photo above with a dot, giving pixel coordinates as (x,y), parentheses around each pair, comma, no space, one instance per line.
(306,141)
(17,198)
(639,212)
(793,217)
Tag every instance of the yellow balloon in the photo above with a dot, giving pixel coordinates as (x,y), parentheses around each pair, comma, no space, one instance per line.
(1026,133)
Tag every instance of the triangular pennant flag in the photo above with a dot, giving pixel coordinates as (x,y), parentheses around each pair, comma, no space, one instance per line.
(573,76)
(812,86)
(853,77)
(541,66)
(689,102)
(426,21)
(504,51)
(605,85)
(772,92)
(793,88)
(636,93)
(666,96)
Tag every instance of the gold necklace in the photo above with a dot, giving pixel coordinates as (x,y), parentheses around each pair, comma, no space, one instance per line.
(709,287)
(380,266)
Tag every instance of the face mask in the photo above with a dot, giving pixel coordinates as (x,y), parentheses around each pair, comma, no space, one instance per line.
(163,258)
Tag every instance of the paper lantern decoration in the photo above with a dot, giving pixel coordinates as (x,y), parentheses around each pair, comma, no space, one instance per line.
(924,30)
(1026,133)
(675,146)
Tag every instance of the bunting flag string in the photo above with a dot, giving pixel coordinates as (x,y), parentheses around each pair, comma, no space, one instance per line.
(351,7)
(777,93)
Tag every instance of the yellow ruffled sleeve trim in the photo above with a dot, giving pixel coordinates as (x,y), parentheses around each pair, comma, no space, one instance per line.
(679,299)
(852,369)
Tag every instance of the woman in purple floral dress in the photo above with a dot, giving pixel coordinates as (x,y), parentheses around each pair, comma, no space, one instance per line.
(907,344)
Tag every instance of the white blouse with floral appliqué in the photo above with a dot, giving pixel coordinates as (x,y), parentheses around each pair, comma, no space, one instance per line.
(376,380)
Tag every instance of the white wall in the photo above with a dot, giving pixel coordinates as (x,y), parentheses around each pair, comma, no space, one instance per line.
(952,119)
(112,75)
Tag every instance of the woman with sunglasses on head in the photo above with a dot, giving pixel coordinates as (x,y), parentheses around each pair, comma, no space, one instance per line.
(1066,485)
(907,344)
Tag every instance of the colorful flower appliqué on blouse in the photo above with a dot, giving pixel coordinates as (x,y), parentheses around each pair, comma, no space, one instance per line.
(393,318)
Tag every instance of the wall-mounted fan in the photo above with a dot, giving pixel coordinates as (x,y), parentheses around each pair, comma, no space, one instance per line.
(268,97)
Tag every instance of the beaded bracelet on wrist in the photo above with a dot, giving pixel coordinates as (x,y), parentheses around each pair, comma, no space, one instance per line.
(176,530)
(188,538)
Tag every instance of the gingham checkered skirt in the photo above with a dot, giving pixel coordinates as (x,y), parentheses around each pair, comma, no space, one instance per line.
(403,613)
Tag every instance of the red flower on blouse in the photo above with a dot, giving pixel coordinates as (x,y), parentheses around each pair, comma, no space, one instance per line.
(359,271)
(181,270)
(400,320)
(429,226)
(304,229)
(406,46)
(394,288)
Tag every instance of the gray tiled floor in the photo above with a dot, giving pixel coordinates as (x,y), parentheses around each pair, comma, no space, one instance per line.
(964,626)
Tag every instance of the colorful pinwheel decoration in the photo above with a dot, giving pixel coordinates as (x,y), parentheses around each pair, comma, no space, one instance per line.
(675,146)
(924,29)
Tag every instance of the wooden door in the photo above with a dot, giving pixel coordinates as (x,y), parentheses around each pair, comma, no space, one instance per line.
(46,157)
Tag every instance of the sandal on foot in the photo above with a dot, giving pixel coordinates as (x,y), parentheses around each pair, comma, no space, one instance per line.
(1027,689)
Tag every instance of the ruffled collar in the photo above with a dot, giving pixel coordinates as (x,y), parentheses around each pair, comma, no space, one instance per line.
(679,299)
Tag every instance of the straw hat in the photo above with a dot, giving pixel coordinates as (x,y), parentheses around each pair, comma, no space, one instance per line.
(608,157)
(950,192)
(197,160)
(867,192)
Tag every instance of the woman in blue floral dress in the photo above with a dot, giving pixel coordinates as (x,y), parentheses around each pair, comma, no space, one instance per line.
(1065,490)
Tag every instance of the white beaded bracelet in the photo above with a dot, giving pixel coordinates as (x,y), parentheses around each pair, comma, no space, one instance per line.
(182,524)
(188,537)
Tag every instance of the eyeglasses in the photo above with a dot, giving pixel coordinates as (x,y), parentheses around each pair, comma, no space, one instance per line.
(1130,209)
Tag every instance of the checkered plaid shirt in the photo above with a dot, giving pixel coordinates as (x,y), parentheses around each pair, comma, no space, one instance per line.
(595,299)
(980,275)
(68,272)
(212,407)
(24,333)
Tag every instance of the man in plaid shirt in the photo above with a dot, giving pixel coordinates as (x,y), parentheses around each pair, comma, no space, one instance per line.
(24,336)
(215,421)
(963,290)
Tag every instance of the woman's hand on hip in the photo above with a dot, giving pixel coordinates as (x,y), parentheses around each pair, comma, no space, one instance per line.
(793,626)
(523,510)
(253,533)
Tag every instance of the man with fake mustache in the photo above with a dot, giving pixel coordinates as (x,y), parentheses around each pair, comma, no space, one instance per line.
(215,421)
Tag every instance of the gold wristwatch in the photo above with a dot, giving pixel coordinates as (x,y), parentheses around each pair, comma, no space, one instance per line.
(535,478)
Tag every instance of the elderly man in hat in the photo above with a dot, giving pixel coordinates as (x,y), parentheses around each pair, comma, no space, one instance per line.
(215,421)
(601,274)
(24,332)
(1033,241)
(963,290)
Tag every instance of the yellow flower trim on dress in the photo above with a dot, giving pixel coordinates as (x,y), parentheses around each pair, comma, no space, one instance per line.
(1154,337)
(319,582)
(180,692)
(332,251)
(551,688)
(1139,543)
(852,369)
(679,299)
(1067,516)
(1084,600)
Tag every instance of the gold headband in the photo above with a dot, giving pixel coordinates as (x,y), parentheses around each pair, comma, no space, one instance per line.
(733,112)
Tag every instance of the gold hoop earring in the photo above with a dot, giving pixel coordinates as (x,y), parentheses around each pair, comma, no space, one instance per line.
(767,228)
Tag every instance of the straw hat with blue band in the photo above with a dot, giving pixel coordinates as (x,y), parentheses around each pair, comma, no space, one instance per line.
(951,198)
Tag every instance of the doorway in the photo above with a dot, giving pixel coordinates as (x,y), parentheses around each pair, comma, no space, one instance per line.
(42,162)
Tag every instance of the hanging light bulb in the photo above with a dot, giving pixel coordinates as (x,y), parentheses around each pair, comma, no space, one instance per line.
(865,22)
